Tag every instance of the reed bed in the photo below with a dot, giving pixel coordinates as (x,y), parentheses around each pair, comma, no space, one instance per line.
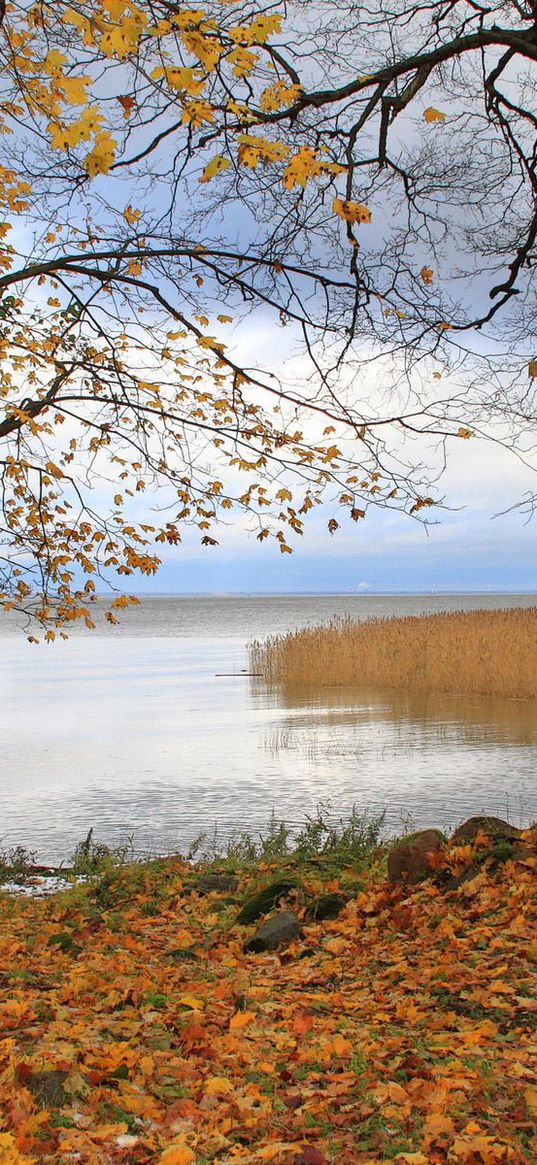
(482,652)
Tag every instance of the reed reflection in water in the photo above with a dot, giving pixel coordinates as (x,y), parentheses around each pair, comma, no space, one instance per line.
(433,753)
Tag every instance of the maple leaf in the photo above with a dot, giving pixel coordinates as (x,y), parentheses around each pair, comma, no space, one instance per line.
(241,1019)
(101,157)
(430,115)
(351,211)
(243,61)
(131,216)
(427,276)
(214,167)
(177,1155)
(532,369)
(301,168)
(127,104)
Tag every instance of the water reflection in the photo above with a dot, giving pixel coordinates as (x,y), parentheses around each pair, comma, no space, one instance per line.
(429,759)
(469,718)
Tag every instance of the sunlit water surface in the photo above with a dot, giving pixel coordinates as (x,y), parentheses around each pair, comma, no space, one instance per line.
(141,730)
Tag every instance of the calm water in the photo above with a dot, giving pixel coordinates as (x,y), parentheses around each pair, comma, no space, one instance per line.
(140,730)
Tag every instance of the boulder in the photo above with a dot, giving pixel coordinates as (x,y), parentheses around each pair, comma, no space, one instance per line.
(278,931)
(408,861)
(494,827)
(264,901)
(326,906)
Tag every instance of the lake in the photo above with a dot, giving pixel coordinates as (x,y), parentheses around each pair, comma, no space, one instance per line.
(152,730)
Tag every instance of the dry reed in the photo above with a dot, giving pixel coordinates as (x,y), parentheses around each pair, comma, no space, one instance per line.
(485,652)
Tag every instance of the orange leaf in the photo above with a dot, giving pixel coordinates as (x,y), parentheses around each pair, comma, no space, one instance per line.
(302,1023)
(177,1155)
(432,114)
(240,1019)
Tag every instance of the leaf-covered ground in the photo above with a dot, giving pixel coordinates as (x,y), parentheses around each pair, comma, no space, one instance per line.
(402,1031)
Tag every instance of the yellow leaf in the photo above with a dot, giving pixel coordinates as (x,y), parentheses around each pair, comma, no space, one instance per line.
(243,61)
(279,95)
(74,89)
(464,433)
(9,1152)
(101,157)
(214,167)
(253,150)
(240,1020)
(351,211)
(432,114)
(218,1086)
(191,1001)
(303,166)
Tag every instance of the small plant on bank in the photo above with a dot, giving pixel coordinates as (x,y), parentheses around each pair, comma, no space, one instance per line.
(16,864)
(341,841)
(92,857)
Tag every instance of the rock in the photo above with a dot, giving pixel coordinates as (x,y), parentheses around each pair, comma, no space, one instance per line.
(216,883)
(264,901)
(408,861)
(494,827)
(47,1087)
(327,906)
(278,931)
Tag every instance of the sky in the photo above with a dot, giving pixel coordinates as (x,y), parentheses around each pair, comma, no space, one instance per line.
(466,552)
(472,544)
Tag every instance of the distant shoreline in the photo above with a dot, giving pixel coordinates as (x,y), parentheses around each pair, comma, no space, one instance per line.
(369,594)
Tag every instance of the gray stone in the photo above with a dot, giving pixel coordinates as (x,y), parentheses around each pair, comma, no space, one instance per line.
(409,861)
(278,931)
(494,827)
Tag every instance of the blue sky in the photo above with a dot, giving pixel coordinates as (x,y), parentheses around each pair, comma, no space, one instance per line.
(459,557)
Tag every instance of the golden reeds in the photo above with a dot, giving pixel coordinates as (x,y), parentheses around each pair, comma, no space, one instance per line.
(486,652)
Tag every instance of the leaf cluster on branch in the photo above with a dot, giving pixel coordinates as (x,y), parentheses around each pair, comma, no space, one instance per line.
(175,181)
